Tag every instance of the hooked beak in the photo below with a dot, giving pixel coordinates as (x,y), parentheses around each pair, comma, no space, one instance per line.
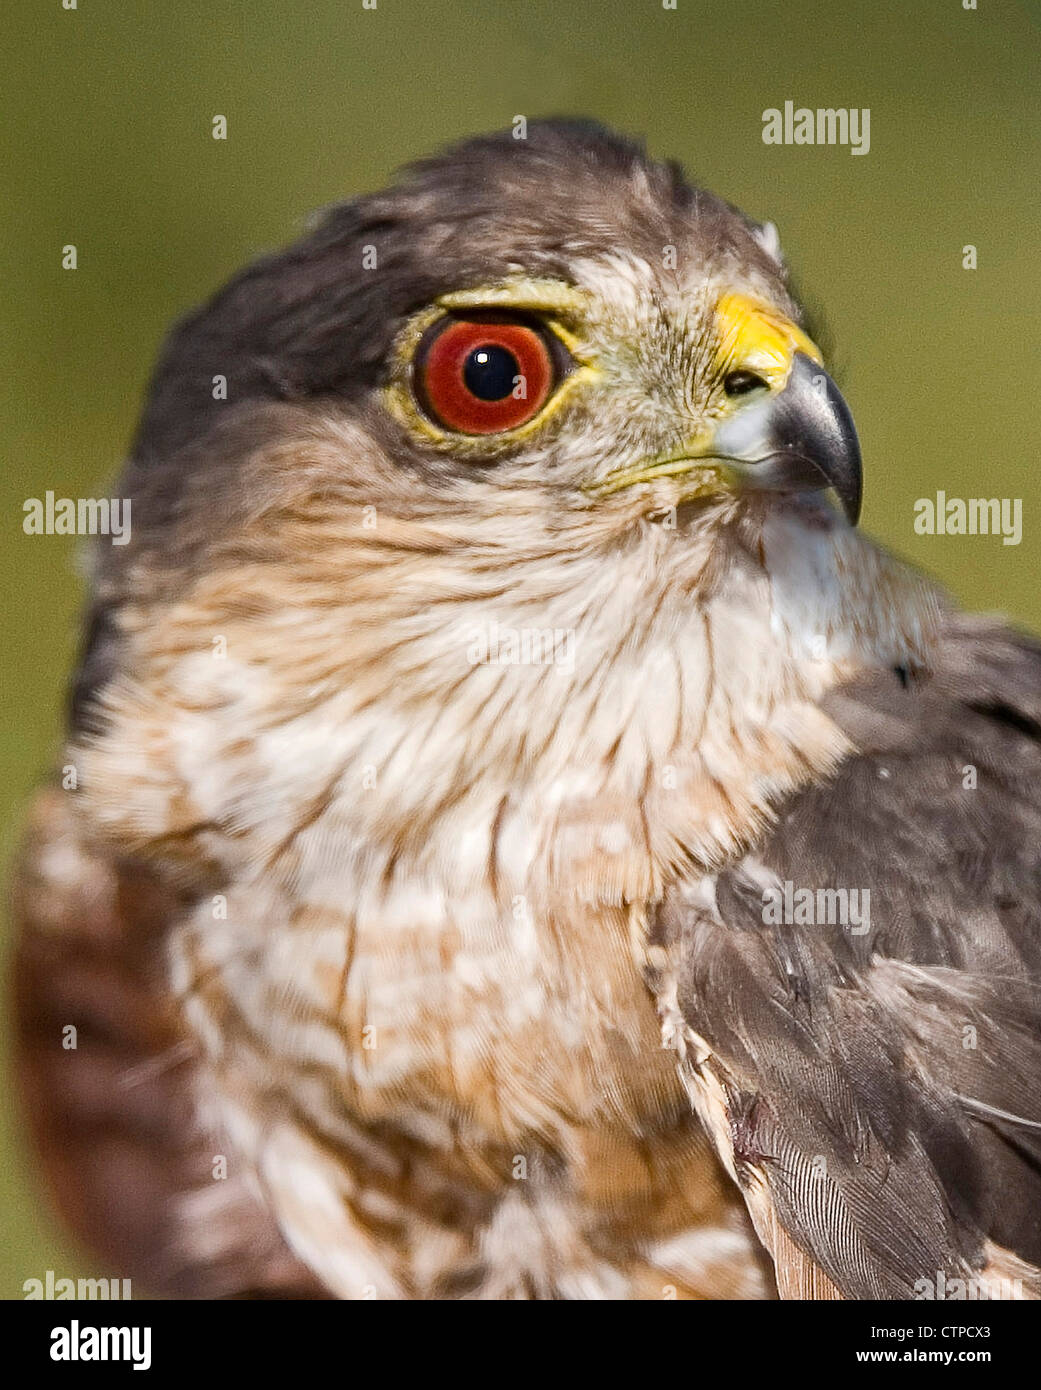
(786,426)
(801,438)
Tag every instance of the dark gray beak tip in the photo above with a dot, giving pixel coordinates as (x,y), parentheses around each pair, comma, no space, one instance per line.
(818,425)
(801,438)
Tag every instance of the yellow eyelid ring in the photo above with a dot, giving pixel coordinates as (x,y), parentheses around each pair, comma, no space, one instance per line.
(536,296)
(755,337)
(543,300)
(548,301)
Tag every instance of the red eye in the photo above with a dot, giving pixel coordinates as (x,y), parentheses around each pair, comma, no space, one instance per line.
(482,376)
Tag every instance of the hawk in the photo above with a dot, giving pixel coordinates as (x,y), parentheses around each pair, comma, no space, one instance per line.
(494,663)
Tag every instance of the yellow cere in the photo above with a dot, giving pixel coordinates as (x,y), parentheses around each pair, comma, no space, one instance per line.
(756,338)
(752,336)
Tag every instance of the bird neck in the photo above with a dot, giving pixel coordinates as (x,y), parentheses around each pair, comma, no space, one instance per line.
(580,721)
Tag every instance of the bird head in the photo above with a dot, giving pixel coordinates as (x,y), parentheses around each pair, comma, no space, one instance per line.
(556,312)
(522,347)
(612,373)
(472,400)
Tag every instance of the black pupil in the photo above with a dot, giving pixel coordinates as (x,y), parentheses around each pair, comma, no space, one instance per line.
(489,372)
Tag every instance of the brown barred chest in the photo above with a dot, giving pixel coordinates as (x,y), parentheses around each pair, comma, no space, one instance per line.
(511,1029)
(484,1104)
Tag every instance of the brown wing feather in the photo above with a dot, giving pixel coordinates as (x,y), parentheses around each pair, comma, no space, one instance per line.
(877,1092)
(111,1116)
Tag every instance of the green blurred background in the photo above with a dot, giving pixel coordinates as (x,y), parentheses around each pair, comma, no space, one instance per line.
(107,145)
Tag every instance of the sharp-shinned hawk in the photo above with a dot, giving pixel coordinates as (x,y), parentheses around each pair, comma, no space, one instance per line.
(520,842)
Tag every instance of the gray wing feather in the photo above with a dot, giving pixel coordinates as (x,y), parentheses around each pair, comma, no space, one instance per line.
(882,1079)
